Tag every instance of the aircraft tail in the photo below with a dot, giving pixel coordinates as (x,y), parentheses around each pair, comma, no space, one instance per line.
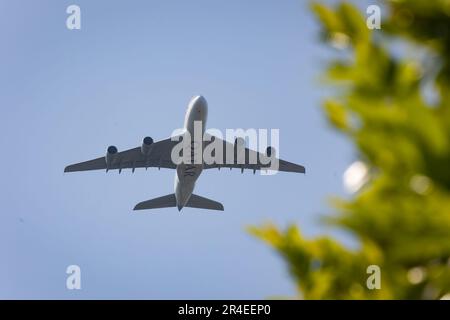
(196,201)
(161,202)
(169,201)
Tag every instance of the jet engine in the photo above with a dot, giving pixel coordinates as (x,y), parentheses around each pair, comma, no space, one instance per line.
(270,151)
(110,155)
(146,145)
(239,142)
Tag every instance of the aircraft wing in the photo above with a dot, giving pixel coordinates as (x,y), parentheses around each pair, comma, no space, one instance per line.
(159,156)
(239,162)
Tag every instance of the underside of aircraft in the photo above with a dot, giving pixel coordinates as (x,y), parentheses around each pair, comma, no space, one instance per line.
(159,154)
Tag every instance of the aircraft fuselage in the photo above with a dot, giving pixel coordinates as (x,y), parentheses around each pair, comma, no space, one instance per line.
(187,174)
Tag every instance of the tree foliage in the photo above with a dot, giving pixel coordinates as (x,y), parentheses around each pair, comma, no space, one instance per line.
(393,103)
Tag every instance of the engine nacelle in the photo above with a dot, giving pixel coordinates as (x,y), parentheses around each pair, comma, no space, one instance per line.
(270,151)
(146,145)
(239,142)
(110,155)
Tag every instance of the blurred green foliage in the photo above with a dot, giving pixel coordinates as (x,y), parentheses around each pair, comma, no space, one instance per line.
(393,103)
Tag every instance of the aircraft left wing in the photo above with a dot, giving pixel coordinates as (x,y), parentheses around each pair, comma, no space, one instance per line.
(158,155)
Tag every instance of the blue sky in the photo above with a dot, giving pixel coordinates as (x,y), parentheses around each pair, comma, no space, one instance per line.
(128,73)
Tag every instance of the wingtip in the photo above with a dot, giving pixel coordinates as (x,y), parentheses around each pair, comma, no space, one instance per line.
(301,169)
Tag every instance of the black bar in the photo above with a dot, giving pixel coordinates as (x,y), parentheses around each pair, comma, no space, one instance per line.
(226,309)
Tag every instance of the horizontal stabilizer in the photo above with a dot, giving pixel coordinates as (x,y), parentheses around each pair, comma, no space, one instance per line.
(161,202)
(196,201)
(170,201)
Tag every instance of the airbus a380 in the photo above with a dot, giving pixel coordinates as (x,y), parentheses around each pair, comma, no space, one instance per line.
(159,154)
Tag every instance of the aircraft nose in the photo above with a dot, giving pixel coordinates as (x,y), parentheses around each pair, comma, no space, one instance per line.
(200,99)
(200,103)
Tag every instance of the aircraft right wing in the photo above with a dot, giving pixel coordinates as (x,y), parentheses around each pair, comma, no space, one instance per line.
(244,162)
(159,155)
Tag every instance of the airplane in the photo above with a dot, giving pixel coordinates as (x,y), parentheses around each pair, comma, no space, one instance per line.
(159,154)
